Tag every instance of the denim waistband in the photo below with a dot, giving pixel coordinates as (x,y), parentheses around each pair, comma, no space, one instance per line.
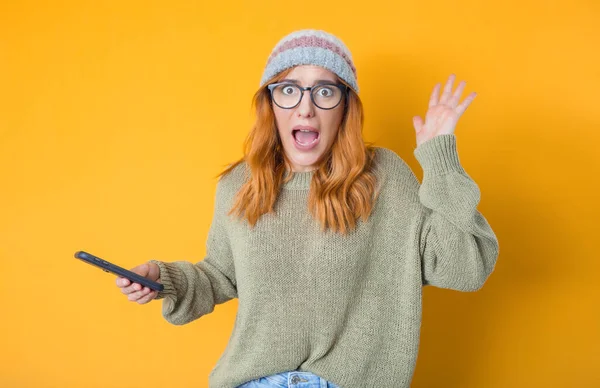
(290,379)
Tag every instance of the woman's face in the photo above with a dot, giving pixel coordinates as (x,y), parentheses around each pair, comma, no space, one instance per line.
(304,150)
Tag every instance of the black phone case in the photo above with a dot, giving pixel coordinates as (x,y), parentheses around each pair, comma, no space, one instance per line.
(109,267)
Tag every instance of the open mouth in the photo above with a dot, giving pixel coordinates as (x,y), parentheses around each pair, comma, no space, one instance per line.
(305,137)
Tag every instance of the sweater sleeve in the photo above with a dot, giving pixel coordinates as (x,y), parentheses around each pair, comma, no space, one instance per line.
(457,245)
(192,290)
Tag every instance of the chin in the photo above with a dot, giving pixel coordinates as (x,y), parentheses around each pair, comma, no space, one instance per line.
(306,161)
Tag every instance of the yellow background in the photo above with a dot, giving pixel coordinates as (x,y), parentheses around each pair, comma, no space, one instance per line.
(116,116)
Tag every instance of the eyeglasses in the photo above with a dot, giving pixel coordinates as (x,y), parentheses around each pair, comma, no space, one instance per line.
(325,96)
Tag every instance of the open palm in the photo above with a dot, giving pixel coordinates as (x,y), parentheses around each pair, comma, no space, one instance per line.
(443,113)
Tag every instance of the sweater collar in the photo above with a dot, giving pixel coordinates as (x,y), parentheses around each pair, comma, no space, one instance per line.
(299,181)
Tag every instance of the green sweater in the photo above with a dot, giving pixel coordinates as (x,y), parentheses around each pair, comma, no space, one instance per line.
(347,309)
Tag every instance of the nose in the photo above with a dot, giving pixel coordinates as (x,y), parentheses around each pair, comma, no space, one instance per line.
(306,108)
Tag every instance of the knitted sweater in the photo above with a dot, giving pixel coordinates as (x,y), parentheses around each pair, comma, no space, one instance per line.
(347,309)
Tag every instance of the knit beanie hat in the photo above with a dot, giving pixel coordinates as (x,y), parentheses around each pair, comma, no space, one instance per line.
(311,47)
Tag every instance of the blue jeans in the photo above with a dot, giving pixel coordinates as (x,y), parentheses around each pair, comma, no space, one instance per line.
(291,379)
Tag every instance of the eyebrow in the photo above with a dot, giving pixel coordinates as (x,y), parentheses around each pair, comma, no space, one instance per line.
(319,81)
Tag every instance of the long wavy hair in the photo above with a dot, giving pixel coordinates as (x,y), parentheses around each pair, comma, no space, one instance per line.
(343,187)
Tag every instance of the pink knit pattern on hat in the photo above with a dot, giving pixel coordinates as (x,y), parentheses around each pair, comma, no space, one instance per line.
(312,41)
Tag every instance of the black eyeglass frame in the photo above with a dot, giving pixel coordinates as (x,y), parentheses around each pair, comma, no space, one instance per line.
(344,89)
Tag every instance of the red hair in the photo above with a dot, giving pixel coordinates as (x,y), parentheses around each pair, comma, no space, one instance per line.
(343,187)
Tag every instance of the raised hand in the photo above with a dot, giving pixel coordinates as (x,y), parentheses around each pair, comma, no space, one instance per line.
(443,113)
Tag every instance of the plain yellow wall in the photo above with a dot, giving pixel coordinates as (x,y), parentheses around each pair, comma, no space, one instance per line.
(116,116)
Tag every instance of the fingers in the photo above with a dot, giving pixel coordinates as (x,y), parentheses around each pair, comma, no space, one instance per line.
(122,282)
(433,100)
(447,89)
(446,99)
(145,299)
(126,285)
(136,292)
(417,123)
(134,287)
(142,296)
(128,288)
(456,95)
(460,109)
(136,295)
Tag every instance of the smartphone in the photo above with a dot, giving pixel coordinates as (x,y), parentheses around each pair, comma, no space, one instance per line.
(109,267)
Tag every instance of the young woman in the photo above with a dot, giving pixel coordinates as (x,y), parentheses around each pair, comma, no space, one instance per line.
(325,240)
